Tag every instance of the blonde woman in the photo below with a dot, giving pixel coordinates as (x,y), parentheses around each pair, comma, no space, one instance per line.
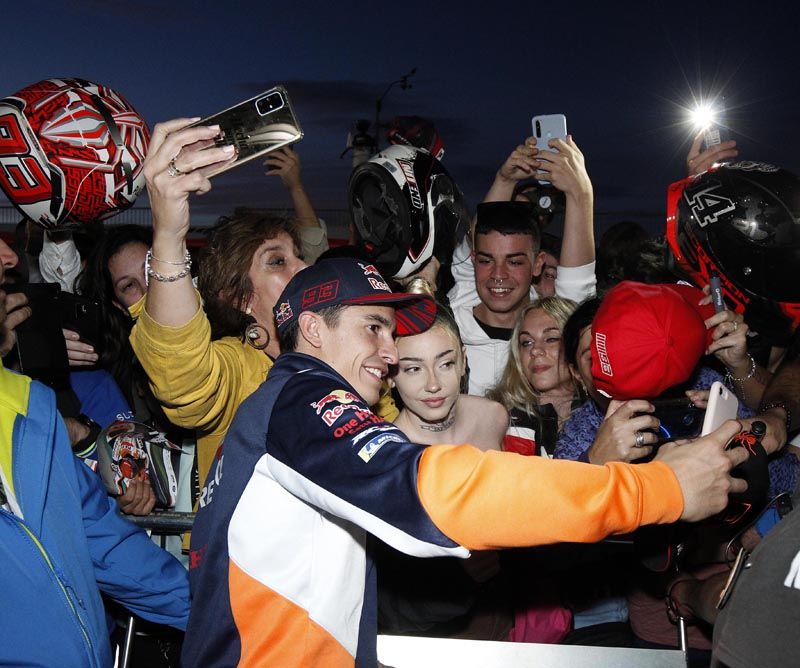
(537,388)
(442,597)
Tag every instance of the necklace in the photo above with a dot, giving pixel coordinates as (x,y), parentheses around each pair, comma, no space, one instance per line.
(444,425)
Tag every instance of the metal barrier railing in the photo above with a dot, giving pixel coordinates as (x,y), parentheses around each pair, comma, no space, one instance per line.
(167,523)
(162,524)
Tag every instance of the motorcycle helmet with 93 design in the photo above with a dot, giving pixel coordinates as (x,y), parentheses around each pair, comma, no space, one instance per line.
(71,152)
(742,221)
(406,209)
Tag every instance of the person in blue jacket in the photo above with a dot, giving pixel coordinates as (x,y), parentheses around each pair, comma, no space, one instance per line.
(62,539)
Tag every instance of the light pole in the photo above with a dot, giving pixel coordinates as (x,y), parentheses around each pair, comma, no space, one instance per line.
(405,85)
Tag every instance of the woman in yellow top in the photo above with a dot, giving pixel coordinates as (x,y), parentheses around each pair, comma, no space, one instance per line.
(202,367)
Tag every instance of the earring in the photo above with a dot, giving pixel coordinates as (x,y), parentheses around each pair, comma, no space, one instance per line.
(253,333)
(248,310)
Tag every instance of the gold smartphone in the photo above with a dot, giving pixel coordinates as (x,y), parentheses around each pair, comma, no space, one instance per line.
(255,127)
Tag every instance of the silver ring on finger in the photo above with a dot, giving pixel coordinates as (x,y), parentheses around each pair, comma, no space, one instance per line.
(735,325)
(639,439)
(172,168)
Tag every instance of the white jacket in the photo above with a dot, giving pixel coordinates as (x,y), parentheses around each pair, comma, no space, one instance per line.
(487,357)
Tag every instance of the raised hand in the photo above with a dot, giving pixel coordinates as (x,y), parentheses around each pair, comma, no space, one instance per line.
(626,433)
(703,469)
(700,161)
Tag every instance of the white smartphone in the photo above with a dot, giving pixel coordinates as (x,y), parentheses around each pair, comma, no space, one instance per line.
(722,405)
(547,127)
(716,132)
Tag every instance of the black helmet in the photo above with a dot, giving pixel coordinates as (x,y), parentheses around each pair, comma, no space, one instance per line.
(406,208)
(742,221)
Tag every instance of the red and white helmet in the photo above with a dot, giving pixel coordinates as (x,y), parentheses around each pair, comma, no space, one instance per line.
(71,151)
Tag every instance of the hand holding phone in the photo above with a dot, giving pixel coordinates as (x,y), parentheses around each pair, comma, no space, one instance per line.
(716,292)
(547,127)
(627,433)
(722,405)
(679,418)
(80,315)
(17,312)
(700,159)
(255,127)
(41,351)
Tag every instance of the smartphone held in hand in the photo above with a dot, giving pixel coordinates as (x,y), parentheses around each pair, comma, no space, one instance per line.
(547,127)
(722,405)
(255,127)
(41,351)
(679,418)
(715,131)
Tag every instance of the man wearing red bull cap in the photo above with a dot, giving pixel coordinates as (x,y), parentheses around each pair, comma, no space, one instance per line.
(281,574)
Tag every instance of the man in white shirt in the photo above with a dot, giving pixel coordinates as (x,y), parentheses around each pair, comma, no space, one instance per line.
(490,293)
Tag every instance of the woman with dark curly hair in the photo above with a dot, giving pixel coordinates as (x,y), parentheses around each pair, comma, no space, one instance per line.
(113,277)
(203,363)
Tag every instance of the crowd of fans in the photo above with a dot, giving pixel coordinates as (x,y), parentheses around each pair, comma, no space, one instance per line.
(511,363)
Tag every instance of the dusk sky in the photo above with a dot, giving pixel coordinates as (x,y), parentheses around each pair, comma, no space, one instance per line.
(620,72)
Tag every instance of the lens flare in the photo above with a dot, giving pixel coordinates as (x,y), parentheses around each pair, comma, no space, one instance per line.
(703,116)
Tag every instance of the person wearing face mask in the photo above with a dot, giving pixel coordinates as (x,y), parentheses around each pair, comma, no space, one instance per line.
(62,541)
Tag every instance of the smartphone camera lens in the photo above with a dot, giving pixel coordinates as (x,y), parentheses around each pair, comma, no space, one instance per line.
(269,103)
(538,129)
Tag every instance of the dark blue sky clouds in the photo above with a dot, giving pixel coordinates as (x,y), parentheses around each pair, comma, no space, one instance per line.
(619,71)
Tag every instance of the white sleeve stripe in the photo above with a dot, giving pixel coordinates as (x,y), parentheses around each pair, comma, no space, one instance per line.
(316,495)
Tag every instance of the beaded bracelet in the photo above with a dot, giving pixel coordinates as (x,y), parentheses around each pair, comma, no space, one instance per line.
(749,375)
(149,272)
(763,408)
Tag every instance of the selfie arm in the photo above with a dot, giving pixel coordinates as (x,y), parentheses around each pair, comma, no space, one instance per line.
(520,165)
(172,301)
(567,170)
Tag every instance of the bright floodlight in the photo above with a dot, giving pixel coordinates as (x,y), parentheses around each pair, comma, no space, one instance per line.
(703,116)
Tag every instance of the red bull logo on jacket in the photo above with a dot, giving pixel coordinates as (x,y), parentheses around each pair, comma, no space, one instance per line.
(341,399)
